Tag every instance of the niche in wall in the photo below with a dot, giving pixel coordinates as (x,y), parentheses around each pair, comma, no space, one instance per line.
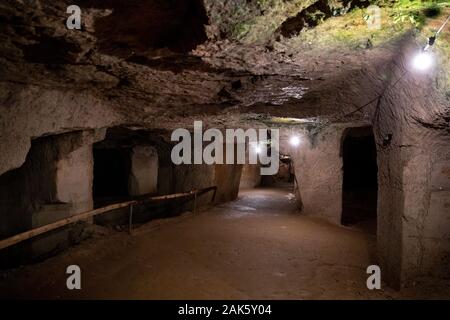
(112,168)
(360,185)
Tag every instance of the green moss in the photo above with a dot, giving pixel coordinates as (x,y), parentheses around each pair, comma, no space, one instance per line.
(351,30)
(431,15)
(263,4)
(258,25)
(261,28)
(416,11)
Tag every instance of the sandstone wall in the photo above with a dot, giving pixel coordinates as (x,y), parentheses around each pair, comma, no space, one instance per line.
(55,182)
(251,176)
(413,195)
(144,171)
(318,169)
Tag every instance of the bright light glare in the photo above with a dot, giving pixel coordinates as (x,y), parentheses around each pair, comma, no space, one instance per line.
(258,149)
(294,141)
(422,61)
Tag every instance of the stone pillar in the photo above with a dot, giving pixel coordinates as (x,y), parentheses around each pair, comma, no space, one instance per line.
(144,171)
(437,221)
(423,218)
(251,176)
(74,179)
(318,170)
(72,165)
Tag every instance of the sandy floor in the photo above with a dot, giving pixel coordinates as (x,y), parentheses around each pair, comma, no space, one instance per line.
(258,247)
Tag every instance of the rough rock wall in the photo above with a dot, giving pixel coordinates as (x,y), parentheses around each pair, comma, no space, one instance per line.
(22,190)
(33,111)
(251,176)
(318,169)
(74,179)
(436,228)
(144,171)
(55,80)
(189,177)
(54,183)
(176,25)
(413,195)
(182,178)
(227,180)
(259,21)
(410,121)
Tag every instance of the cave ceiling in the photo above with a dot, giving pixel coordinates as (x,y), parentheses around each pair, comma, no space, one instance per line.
(167,63)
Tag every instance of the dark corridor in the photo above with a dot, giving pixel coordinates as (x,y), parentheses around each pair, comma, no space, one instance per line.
(360,187)
(111,173)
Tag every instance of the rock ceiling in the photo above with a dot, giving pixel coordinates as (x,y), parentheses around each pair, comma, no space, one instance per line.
(162,64)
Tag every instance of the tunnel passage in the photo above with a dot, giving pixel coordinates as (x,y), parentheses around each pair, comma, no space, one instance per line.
(286,170)
(360,186)
(111,173)
(285,177)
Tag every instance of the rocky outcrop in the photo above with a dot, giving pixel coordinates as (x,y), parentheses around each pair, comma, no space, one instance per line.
(65,80)
(159,65)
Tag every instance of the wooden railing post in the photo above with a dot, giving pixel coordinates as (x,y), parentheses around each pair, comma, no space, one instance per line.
(130,226)
(214,195)
(195,202)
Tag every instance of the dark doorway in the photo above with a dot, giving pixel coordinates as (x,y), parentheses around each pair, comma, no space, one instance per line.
(111,174)
(360,187)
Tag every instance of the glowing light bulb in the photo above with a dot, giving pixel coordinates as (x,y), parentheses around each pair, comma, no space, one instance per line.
(422,61)
(294,141)
(258,149)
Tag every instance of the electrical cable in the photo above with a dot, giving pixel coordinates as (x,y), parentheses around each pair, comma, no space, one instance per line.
(430,43)
(432,40)
(377,98)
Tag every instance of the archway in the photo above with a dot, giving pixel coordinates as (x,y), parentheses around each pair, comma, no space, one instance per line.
(360,177)
(111,175)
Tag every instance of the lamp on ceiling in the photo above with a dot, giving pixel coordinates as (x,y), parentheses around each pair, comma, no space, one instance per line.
(424,59)
(294,141)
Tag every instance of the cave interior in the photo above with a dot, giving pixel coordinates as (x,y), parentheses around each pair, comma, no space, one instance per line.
(87,117)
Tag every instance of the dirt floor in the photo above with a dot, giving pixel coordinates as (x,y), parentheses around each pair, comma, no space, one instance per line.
(258,247)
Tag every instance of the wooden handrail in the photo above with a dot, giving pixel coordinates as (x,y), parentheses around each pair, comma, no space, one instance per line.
(8,242)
